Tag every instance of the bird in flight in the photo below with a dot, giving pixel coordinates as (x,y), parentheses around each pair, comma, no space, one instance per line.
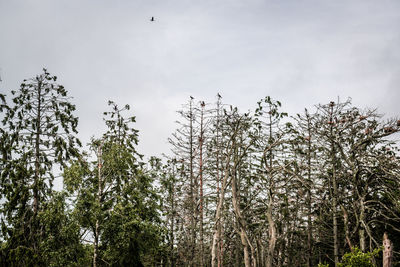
(152,19)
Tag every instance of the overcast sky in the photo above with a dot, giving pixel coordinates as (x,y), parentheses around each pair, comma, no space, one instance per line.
(299,52)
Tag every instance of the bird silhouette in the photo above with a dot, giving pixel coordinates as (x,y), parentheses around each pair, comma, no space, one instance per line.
(152,19)
(202,103)
(191,97)
(219,96)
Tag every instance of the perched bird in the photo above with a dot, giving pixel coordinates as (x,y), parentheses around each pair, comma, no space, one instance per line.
(202,103)
(152,19)
(191,97)
(219,95)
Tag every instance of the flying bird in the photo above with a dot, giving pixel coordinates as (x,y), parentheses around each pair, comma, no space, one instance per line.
(152,19)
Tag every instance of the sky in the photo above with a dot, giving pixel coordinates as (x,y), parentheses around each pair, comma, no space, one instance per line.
(301,53)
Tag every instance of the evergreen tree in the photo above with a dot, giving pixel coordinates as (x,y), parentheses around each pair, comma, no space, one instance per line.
(115,197)
(38,136)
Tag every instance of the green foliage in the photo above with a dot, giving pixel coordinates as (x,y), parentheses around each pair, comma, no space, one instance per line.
(62,245)
(357,258)
(37,136)
(117,195)
(59,238)
(111,205)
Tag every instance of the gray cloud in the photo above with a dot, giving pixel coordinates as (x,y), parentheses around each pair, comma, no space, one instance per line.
(299,52)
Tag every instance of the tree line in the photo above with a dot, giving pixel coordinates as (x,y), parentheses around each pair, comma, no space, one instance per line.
(255,188)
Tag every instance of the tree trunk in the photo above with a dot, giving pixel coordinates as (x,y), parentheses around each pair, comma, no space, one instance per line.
(201,140)
(221,242)
(361,232)
(272,233)
(217,242)
(335,223)
(192,195)
(246,255)
(218,217)
(387,252)
(99,193)
(172,234)
(96,244)
(346,228)
(241,223)
(271,223)
(334,193)
(36,181)
(309,196)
